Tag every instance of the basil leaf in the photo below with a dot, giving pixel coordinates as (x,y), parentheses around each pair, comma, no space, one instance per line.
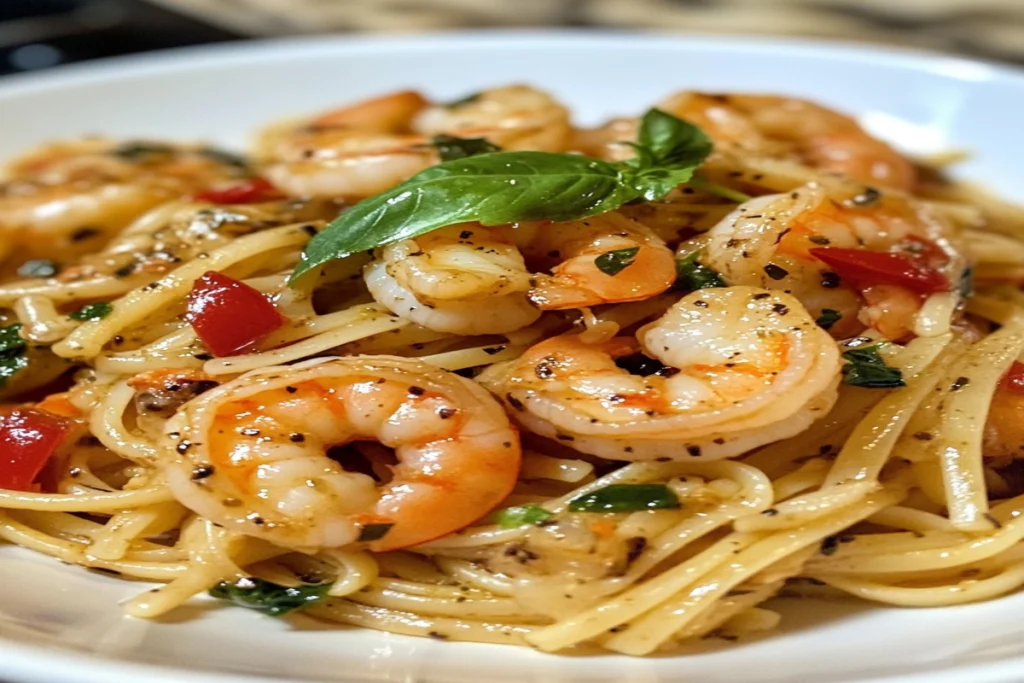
(267,597)
(691,275)
(91,312)
(626,498)
(865,367)
(508,187)
(38,268)
(493,189)
(828,318)
(614,262)
(374,532)
(450,147)
(513,517)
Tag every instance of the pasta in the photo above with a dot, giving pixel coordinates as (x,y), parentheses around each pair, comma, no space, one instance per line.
(469,372)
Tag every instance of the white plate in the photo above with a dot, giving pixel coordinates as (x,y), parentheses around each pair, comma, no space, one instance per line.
(62,625)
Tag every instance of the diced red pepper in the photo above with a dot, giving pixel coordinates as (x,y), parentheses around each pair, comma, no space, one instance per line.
(250,191)
(865,268)
(28,439)
(229,316)
(1013,380)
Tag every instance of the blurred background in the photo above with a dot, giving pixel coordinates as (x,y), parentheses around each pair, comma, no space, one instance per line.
(36,34)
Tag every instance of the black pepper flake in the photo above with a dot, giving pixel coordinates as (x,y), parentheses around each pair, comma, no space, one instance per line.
(780,309)
(437,635)
(829,545)
(291,389)
(203,356)
(514,402)
(491,350)
(118,340)
(634,548)
(202,472)
(183,446)
(446,413)
(125,271)
(770,512)
(565,437)
(82,234)
(775,272)
(829,280)
(465,234)
(923,436)
(693,450)
(700,304)
(295,437)
(309,230)
(762,295)
(959,383)
(818,239)
(866,198)
(719,441)
(544,369)
(782,234)
(417,391)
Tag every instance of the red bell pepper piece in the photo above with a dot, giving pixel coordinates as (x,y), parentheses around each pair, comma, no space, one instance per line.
(28,439)
(250,191)
(229,316)
(1013,380)
(865,268)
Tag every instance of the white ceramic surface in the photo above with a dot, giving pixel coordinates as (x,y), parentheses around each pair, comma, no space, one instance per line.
(63,625)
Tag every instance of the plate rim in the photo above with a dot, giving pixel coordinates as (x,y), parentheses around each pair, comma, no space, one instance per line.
(21,660)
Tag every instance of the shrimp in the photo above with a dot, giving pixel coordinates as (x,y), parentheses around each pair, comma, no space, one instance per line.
(369,147)
(786,127)
(740,367)
(251,454)
(639,266)
(71,198)
(771,242)
(471,279)
(463,279)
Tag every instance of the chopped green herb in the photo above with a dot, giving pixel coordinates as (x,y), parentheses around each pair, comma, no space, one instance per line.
(468,99)
(139,150)
(91,312)
(614,262)
(451,148)
(225,157)
(626,498)
(865,367)
(691,275)
(267,597)
(513,517)
(12,352)
(828,318)
(966,285)
(38,268)
(511,187)
(10,340)
(374,532)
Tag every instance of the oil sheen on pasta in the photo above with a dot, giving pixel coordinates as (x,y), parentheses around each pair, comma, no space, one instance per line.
(795,375)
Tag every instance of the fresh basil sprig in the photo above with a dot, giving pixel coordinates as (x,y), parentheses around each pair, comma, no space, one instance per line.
(509,187)
(269,598)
